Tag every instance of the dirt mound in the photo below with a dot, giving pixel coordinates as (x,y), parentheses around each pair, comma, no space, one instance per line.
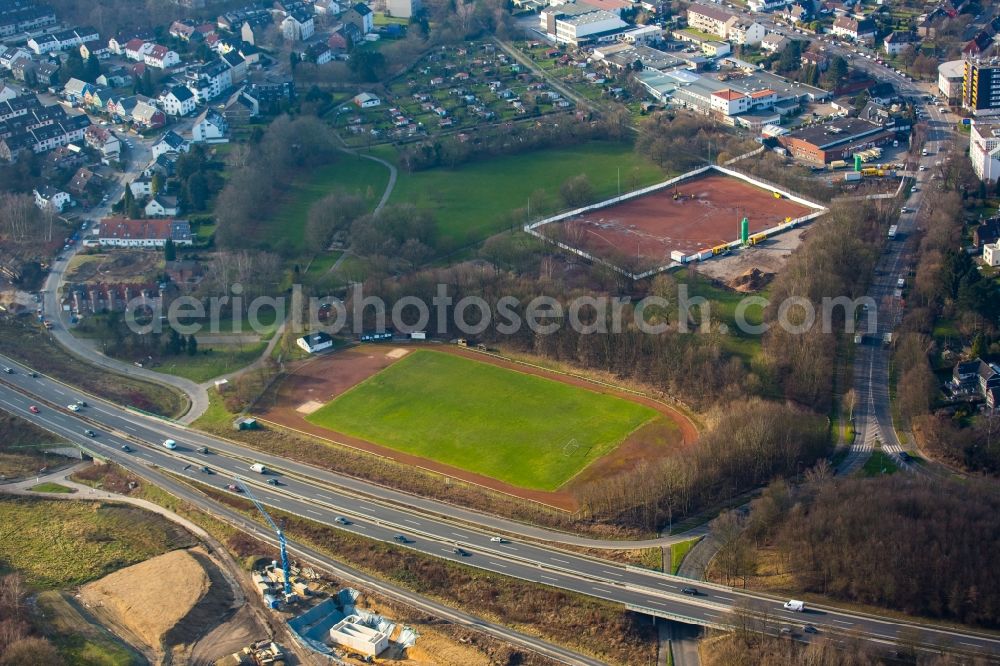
(149,599)
(751,281)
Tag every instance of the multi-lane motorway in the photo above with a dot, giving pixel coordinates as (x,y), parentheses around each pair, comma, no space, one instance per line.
(317,495)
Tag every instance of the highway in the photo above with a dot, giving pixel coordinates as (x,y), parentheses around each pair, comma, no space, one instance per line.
(304,491)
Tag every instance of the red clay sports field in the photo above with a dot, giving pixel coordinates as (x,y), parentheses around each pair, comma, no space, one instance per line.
(689,215)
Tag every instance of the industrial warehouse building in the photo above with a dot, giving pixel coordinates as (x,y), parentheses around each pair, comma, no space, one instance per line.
(836,140)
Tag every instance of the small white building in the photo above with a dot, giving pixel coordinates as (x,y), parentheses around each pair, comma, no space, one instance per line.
(209,126)
(984,150)
(366,100)
(991,254)
(51,198)
(352,634)
(950,77)
(178,101)
(402,8)
(312,344)
(161,205)
(171,142)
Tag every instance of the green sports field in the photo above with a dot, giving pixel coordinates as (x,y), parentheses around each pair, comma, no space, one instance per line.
(521,429)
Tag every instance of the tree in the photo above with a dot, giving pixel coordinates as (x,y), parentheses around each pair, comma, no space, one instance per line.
(192,345)
(196,191)
(157,183)
(169,251)
(92,69)
(837,73)
(577,190)
(367,65)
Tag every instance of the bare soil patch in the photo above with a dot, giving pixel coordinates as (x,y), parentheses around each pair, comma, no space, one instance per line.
(769,256)
(324,378)
(167,600)
(117,267)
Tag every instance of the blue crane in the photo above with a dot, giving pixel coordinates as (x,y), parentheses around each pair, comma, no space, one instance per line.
(274,526)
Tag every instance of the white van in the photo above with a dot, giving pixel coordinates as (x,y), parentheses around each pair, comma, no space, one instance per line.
(794,605)
(170,444)
(257,467)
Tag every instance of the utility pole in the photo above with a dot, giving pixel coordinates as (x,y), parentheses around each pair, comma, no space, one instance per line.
(619,182)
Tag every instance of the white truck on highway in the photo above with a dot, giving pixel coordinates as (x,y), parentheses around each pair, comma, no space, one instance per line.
(257,467)
(794,605)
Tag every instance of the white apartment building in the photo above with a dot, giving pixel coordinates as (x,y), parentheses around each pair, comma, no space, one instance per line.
(984,150)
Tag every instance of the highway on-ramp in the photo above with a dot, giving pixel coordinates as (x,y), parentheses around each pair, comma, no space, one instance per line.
(304,491)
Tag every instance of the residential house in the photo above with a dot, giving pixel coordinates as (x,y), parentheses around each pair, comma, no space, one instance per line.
(171,142)
(145,114)
(23,69)
(708,18)
(210,126)
(239,109)
(795,13)
(177,101)
(987,232)
(298,25)
(85,184)
(161,205)
(62,40)
(897,41)
(141,187)
(744,31)
(97,49)
(49,198)
(965,376)
(44,138)
(181,30)
(360,16)
(12,55)
(237,66)
(122,232)
(18,18)
(102,140)
(817,59)
(402,8)
(318,52)
(47,73)
(991,254)
(6,92)
(774,42)
(270,92)
(76,90)
(161,57)
(858,30)
(116,77)
(337,42)
(979,44)
(329,7)
(208,81)
(136,49)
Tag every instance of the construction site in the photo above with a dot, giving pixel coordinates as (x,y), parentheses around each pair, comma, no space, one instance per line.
(702,214)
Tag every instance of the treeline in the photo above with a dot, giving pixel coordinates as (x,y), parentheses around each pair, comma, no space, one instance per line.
(681,141)
(924,547)
(771,167)
(836,260)
(506,139)
(260,173)
(750,444)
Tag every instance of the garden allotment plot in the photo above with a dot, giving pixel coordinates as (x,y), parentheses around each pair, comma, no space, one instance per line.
(521,429)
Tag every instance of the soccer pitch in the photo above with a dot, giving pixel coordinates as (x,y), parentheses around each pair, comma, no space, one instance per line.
(521,429)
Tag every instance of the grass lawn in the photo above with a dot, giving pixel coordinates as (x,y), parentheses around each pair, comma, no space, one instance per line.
(49,487)
(470,201)
(209,363)
(524,430)
(878,464)
(57,544)
(350,174)
(679,551)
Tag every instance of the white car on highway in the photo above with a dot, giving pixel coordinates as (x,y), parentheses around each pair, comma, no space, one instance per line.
(73,407)
(170,444)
